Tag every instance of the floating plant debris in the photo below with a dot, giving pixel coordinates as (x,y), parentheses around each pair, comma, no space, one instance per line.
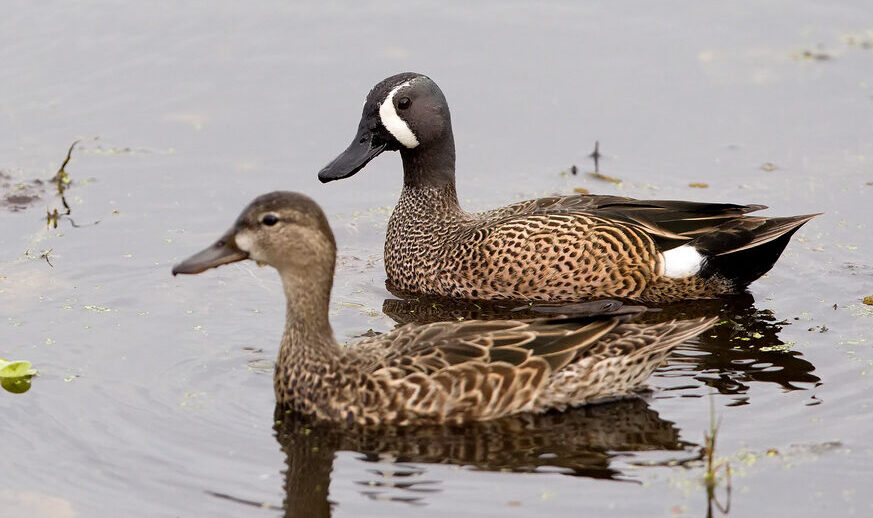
(606,178)
(15,375)
(62,181)
(15,369)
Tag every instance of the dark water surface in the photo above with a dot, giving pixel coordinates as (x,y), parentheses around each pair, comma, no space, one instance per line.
(154,395)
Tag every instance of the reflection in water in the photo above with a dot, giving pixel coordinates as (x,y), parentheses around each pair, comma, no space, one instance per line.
(578,442)
(16,385)
(425,309)
(19,194)
(744,345)
(16,195)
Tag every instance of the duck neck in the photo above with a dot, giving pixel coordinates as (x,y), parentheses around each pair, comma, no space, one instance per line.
(308,334)
(429,176)
(431,164)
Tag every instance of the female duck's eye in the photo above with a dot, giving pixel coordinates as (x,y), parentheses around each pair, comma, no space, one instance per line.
(270,219)
(403,103)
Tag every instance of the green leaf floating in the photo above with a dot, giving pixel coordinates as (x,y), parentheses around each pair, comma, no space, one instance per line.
(15,376)
(16,369)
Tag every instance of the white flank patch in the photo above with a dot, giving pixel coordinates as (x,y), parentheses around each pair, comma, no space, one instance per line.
(243,241)
(393,123)
(682,261)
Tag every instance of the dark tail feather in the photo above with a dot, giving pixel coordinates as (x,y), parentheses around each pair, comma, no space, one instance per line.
(746,248)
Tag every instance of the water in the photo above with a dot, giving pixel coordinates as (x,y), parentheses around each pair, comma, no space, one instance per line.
(154,395)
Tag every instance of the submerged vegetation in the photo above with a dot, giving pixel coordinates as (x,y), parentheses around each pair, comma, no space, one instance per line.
(62,181)
(716,471)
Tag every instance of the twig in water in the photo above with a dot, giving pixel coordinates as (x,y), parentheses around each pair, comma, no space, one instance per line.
(45,255)
(61,178)
(596,156)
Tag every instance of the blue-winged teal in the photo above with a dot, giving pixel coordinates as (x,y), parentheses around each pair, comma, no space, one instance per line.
(446,371)
(550,249)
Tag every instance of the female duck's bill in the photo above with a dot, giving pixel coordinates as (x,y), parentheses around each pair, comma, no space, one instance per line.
(223,251)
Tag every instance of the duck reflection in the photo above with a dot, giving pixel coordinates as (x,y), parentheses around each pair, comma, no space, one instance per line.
(580,442)
(743,347)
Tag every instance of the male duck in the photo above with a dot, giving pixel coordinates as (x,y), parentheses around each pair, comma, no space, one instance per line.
(551,249)
(442,372)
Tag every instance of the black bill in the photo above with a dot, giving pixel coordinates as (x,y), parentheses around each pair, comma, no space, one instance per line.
(367,145)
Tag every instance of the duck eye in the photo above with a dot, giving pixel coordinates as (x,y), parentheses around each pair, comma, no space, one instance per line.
(270,219)
(403,103)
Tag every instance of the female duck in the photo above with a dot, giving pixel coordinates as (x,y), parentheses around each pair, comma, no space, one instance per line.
(551,249)
(442,372)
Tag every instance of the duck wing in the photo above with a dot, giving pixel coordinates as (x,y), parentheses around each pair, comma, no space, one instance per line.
(461,371)
(670,223)
(450,371)
(431,348)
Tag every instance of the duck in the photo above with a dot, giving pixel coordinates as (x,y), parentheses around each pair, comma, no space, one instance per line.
(552,249)
(443,372)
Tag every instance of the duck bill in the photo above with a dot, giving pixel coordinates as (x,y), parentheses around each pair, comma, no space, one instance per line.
(366,146)
(223,251)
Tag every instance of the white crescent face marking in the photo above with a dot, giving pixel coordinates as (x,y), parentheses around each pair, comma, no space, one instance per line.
(682,261)
(393,123)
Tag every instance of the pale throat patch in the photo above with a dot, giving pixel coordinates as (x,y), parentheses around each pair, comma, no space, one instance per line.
(393,123)
(243,241)
(682,261)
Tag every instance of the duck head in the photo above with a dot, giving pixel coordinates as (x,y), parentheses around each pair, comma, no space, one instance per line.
(407,113)
(285,230)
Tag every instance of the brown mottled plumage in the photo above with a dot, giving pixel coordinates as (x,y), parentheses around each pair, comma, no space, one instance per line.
(441,372)
(555,249)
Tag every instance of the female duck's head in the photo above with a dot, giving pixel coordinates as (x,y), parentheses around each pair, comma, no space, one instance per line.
(285,230)
(407,113)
